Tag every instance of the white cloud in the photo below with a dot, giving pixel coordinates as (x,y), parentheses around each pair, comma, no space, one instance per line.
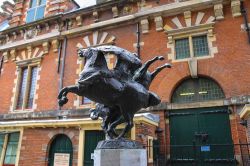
(86,3)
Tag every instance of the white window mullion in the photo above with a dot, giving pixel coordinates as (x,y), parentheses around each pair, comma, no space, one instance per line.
(35,13)
(191,46)
(25,99)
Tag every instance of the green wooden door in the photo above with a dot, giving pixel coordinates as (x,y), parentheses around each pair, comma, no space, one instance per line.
(91,140)
(201,137)
(60,144)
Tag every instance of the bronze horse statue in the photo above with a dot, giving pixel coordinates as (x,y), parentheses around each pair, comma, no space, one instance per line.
(120,92)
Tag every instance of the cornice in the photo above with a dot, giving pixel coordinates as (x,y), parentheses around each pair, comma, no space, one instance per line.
(164,10)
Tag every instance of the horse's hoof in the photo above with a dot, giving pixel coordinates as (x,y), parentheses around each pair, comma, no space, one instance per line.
(168,65)
(161,58)
(62,101)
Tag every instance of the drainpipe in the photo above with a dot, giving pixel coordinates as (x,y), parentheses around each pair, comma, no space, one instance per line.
(59,57)
(1,64)
(244,13)
(138,46)
(64,47)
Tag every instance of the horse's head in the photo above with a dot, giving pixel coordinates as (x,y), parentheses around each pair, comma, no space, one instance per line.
(86,52)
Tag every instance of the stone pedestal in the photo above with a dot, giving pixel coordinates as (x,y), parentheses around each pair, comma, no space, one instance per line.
(120,152)
(120,157)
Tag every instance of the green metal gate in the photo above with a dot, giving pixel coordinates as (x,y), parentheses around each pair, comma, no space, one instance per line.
(201,137)
(60,144)
(91,140)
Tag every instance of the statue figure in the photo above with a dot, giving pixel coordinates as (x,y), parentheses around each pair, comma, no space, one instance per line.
(119,93)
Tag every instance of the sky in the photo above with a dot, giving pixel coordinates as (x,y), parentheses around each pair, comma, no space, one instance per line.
(85,3)
(82,3)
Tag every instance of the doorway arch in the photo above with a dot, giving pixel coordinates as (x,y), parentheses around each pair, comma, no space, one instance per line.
(197,90)
(61,145)
(200,136)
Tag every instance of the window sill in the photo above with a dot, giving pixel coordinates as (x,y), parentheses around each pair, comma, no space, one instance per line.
(86,106)
(150,160)
(22,111)
(187,59)
(211,103)
(190,30)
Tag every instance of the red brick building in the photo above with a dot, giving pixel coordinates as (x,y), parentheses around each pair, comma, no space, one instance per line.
(203,95)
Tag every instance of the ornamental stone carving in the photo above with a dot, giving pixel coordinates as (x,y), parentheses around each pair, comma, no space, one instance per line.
(30,33)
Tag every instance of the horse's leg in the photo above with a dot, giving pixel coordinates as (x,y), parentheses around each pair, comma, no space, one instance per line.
(145,67)
(105,124)
(112,126)
(62,97)
(159,69)
(129,119)
(154,99)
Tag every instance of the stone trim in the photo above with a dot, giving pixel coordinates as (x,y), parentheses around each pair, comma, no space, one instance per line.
(27,58)
(115,11)
(150,148)
(144,26)
(235,7)
(245,112)
(169,9)
(218,11)
(214,103)
(82,122)
(159,23)
(37,39)
(189,30)
(97,40)
(79,20)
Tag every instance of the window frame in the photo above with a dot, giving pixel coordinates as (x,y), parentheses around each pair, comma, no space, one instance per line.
(150,149)
(35,8)
(27,87)
(79,100)
(191,47)
(5,144)
(202,29)
(195,84)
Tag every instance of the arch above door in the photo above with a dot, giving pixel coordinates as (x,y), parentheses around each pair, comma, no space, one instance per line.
(61,150)
(197,90)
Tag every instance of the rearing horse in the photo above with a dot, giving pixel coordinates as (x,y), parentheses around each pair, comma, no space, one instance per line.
(103,86)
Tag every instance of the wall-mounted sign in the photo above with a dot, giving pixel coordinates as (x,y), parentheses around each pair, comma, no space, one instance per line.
(205,148)
(61,159)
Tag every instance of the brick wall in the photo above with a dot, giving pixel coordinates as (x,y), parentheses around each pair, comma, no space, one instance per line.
(53,7)
(36,143)
(229,68)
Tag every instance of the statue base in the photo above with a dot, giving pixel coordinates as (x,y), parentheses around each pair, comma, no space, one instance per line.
(120,152)
(120,157)
(119,144)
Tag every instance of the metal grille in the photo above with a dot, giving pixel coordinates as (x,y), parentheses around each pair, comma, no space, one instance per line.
(200,46)
(32,87)
(182,48)
(195,90)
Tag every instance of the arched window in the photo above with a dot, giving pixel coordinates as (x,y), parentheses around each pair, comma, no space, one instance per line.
(196,90)
(61,150)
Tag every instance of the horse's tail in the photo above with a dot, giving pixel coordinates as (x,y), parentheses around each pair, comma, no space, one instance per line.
(154,99)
